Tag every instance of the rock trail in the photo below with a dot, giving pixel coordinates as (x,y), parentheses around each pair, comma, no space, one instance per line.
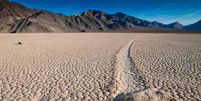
(126,76)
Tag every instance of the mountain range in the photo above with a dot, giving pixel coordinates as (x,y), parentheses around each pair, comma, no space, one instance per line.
(129,21)
(16,18)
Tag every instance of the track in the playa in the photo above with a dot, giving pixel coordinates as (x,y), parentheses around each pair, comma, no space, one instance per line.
(126,77)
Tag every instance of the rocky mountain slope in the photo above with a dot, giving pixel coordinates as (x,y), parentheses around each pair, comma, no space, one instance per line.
(126,20)
(195,26)
(12,11)
(16,18)
(45,21)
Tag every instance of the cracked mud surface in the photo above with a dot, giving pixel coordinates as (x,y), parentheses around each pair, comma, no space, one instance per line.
(97,66)
(171,63)
(59,66)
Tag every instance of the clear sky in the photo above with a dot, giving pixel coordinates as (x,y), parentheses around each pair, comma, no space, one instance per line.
(164,11)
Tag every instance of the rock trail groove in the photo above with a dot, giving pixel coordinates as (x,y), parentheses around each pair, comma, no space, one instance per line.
(126,76)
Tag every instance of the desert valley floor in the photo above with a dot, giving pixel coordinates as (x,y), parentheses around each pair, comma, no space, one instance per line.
(99,66)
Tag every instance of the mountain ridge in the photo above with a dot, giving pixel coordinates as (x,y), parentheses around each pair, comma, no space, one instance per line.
(12,11)
(128,21)
(16,18)
(45,21)
(194,26)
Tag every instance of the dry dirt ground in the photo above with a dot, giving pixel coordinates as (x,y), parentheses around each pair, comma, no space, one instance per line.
(98,66)
(171,62)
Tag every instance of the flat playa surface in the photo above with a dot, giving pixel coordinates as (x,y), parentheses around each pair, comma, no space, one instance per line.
(171,62)
(98,66)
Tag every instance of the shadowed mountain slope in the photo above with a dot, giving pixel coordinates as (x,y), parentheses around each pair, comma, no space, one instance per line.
(196,26)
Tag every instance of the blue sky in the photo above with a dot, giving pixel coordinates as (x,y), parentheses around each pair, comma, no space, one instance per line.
(164,11)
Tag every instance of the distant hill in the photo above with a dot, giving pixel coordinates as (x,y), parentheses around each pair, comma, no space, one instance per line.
(175,25)
(16,18)
(196,26)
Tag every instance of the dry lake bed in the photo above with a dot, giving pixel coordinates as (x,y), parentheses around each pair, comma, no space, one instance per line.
(99,66)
